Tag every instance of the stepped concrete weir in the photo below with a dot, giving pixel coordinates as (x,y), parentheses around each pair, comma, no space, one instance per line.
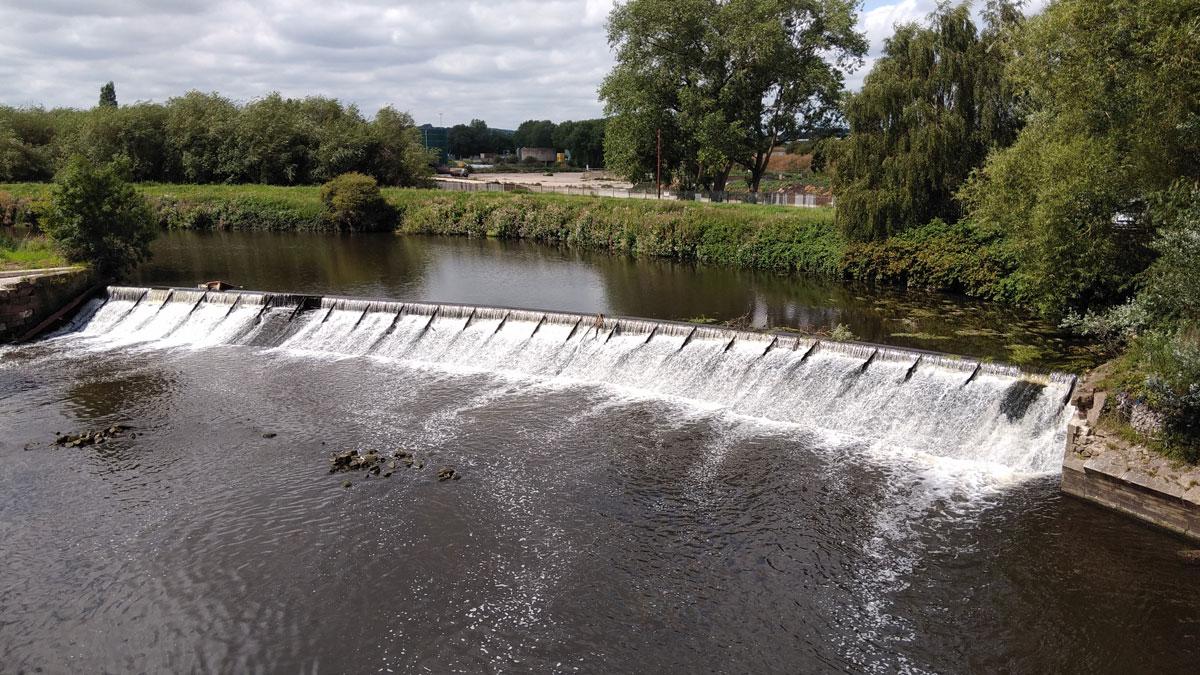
(896,400)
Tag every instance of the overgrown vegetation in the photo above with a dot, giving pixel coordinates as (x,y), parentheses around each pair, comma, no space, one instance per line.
(97,218)
(762,237)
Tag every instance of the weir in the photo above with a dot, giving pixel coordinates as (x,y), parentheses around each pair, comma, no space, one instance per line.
(891,399)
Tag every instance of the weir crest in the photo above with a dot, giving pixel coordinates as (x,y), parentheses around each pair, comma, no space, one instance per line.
(889,398)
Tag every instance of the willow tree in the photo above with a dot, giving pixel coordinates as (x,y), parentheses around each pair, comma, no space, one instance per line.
(722,80)
(929,112)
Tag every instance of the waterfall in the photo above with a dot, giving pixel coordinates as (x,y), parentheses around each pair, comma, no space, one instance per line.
(890,398)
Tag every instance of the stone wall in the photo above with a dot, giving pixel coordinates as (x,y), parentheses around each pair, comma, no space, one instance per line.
(28,298)
(1101,467)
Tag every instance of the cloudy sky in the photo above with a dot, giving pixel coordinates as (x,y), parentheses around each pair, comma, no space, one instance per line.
(500,60)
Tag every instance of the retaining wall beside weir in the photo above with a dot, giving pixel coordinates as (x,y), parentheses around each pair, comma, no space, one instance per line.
(1103,468)
(29,298)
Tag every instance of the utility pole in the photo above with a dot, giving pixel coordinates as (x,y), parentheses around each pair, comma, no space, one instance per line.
(658,166)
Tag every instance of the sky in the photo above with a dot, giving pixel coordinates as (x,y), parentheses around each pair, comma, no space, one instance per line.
(503,61)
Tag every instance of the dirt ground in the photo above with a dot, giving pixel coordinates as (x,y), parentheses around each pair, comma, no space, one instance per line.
(592,179)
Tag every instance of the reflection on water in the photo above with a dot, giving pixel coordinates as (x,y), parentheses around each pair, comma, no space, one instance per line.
(506,273)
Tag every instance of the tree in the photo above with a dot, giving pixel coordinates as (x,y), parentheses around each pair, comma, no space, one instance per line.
(583,141)
(201,134)
(534,134)
(1112,89)
(398,155)
(276,143)
(722,80)
(108,95)
(97,218)
(929,112)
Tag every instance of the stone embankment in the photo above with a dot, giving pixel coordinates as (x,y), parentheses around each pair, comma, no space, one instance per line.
(31,298)
(1102,467)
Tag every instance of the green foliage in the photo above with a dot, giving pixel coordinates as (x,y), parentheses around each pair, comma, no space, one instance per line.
(97,218)
(1172,361)
(955,258)
(752,236)
(205,138)
(723,82)
(842,333)
(352,201)
(108,95)
(467,140)
(1113,91)
(534,134)
(930,110)
(583,141)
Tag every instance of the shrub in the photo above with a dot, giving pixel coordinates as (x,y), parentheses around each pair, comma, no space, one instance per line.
(956,258)
(96,217)
(352,201)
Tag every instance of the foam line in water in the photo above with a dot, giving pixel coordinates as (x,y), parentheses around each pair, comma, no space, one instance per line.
(894,399)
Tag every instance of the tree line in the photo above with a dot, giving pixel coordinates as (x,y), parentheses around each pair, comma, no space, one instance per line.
(207,138)
(583,140)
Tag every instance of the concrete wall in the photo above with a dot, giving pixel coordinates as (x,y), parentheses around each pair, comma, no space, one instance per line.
(27,298)
(1103,468)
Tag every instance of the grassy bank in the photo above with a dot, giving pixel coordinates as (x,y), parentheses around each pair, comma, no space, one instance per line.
(762,237)
(765,237)
(936,257)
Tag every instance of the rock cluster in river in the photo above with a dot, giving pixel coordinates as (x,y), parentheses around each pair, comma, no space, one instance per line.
(373,463)
(90,437)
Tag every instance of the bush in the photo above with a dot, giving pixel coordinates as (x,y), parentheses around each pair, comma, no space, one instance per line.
(352,201)
(955,258)
(95,217)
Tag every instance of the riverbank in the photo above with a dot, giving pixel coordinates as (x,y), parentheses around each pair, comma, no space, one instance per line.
(937,257)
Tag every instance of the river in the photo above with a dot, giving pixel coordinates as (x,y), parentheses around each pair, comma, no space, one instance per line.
(627,502)
(505,273)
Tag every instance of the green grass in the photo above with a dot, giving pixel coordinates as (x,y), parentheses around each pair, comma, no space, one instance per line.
(25,253)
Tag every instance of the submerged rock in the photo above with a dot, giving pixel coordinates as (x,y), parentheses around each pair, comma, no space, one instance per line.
(447,473)
(90,437)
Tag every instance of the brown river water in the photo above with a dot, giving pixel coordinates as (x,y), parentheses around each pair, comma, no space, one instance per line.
(629,501)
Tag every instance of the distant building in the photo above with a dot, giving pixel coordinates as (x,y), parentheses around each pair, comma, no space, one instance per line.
(539,154)
(437,139)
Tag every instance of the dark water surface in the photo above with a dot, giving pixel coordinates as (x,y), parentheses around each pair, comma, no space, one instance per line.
(626,504)
(508,273)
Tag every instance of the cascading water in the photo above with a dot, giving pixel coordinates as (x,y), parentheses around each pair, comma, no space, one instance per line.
(896,400)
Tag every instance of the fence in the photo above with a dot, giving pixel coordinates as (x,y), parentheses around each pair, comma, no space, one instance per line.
(775,198)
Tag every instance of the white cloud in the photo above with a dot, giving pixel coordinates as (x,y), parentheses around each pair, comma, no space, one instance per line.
(502,60)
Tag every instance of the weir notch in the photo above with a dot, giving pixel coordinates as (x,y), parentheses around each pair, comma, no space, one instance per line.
(503,320)
(870,358)
(688,339)
(813,348)
(573,329)
(538,326)
(913,368)
(974,373)
(770,346)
